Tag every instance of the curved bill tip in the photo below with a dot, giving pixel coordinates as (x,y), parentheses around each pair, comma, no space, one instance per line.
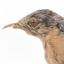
(9,25)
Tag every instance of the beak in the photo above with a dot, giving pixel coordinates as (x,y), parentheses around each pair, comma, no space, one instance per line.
(20,24)
(10,25)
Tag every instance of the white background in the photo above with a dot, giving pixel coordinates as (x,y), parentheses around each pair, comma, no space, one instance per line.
(16,47)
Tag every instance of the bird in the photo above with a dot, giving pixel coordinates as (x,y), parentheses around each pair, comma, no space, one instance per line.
(48,26)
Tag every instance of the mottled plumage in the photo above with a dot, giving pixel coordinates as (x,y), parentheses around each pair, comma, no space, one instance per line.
(49,27)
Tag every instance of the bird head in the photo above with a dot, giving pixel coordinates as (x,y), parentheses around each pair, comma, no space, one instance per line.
(38,23)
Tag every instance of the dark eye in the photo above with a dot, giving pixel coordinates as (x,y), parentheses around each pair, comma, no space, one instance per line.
(33,22)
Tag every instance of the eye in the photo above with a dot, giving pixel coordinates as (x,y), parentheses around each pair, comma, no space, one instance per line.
(33,22)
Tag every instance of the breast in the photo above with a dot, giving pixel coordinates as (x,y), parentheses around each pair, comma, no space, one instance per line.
(54,48)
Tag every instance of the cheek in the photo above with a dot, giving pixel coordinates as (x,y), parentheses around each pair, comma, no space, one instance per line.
(42,29)
(35,33)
